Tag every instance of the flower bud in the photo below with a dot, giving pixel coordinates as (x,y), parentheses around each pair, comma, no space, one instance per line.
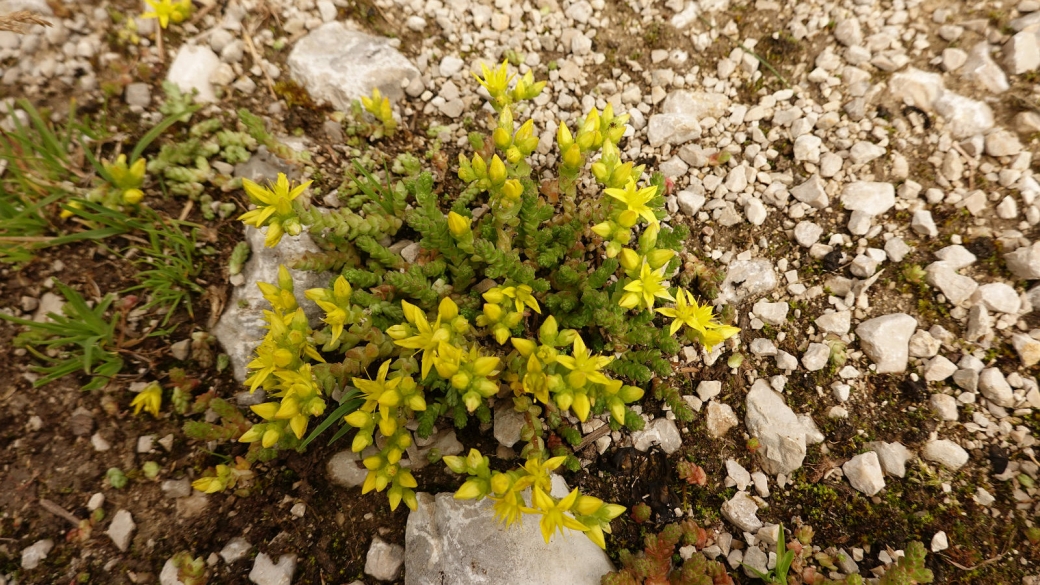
(512,189)
(660,257)
(502,138)
(469,490)
(497,171)
(648,239)
(133,196)
(630,260)
(525,346)
(479,166)
(564,138)
(603,230)
(472,401)
(572,157)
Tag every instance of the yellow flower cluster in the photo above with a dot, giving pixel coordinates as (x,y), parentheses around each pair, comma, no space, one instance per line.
(274,208)
(281,367)
(389,404)
(496,81)
(573,382)
(167,11)
(699,320)
(224,477)
(574,511)
(379,106)
(504,309)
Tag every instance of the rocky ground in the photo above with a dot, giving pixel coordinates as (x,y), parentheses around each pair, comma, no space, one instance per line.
(861,171)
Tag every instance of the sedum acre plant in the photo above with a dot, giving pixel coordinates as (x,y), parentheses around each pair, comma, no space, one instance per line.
(547,301)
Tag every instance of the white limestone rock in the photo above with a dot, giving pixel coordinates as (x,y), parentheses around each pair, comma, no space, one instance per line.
(864,473)
(742,511)
(191,70)
(1025,262)
(995,388)
(782,434)
(460,541)
(886,340)
(384,561)
(339,65)
(946,453)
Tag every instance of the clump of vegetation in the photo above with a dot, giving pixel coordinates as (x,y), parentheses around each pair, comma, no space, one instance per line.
(658,562)
(562,328)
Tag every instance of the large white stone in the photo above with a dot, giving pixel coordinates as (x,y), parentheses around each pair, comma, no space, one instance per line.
(266,572)
(748,278)
(672,129)
(964,117)
(783,436)
(892,456)
(955,287)
(865,473)
(995,388)
(383,561)
(742,511)
(121,529)
(1025,262)
(191,70)
(886,340)
(339,65)
(242,326)
(720,419)
(460,541)
(36,552)
(660,431)
(946,453)
(916,88)
(869,197)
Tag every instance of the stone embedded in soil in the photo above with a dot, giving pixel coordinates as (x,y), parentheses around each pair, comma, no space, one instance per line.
(782,435)
(720,419)
(964,116)
(121,529)
(191,70)
(955,287)
(816,356)
(339,65)
(945,406)
(864,473)
(754,560)
(886,340)
(995,388)
(36,552)
(508,424)
(999,297)
(384,561)
(742,511)
(345,469)
(176,488)
(1024,262)
(871,198)
(242,326)
(740,476)
(1028,349)
(940,542)
(837,322)
(266,572)
(946,453)
(748,278)
(460,541)
(892,456)
(235,550)
(660,431)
